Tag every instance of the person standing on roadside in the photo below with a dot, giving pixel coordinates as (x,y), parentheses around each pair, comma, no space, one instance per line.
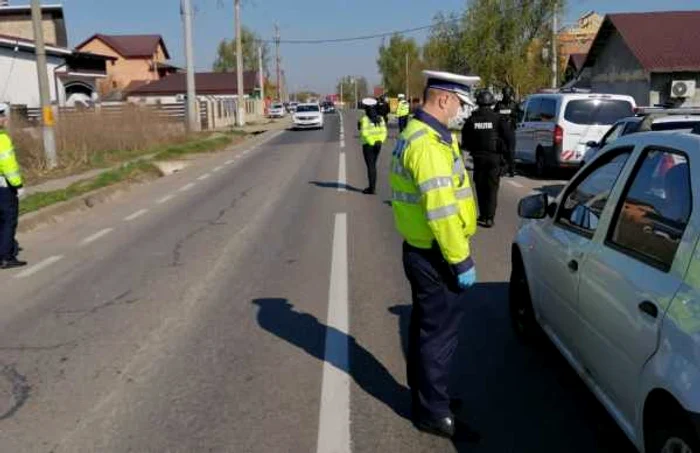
(435,213)
(373,133)
(10,190)
(507,107)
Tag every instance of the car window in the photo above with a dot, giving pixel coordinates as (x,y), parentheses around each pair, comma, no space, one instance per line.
(585,200)
(533,110)
(597,111)
(548,110)
(276,106)
(675,125)
(613,134)
(656,205)
(307,108)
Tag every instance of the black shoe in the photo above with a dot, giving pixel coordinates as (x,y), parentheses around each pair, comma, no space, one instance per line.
(488,223)
(12,263)
(445,427)
(368,191)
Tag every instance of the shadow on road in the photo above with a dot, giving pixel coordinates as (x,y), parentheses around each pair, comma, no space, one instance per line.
(553,190)
(520,398)
(335,185)
(277,316)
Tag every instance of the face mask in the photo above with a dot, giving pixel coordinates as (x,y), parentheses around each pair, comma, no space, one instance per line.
(456,121)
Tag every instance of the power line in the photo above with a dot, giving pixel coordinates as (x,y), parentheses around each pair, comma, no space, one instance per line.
(365,37)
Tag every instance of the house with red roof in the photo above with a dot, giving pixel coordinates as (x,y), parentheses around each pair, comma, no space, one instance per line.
(654,57)
(137,59)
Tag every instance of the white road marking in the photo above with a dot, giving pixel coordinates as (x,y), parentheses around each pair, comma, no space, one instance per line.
(136,215)
(229,162)
(245,152)
(515,184)
(341,174)
(96,236)
(203,177)
(186,187)
(215,169)
(165,199)
(40,266)
(334,417)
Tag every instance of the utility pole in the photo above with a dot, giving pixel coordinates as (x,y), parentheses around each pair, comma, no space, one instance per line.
(192,123)
(407,76)
(240,102)
(261,75)
(277,58)
(555,56)
(342,81)
(354,81)
(44,93)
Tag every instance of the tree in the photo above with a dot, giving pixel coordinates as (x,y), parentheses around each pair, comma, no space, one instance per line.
(348,88)
(392,66)
(226,53)
(499,40)
(304,96)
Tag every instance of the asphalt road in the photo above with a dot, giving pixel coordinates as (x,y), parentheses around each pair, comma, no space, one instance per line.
(256,303)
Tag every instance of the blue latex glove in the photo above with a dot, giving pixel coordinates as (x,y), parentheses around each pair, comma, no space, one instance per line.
(467,279)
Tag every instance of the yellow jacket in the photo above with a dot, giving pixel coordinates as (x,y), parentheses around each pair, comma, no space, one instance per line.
(9,168)
(432,197)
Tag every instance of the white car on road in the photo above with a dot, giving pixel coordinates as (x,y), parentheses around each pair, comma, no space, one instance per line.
(610,272)
(308,116)
(277,110)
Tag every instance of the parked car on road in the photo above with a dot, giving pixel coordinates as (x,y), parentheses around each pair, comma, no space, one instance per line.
(327,107)
(308,116)
(556,127)
(609,271)
(276,110)
(293,107)
(647,119)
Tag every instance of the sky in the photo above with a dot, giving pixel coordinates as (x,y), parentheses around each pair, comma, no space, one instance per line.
(312,67)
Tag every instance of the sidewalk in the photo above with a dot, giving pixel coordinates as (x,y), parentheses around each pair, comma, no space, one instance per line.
(62,183)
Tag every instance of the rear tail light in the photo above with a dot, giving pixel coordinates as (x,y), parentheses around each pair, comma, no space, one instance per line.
(558,135)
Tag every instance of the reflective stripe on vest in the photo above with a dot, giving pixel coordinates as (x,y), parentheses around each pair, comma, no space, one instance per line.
(441,213)
(405,197)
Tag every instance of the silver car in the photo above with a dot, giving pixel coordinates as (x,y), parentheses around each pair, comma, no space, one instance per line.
(609,271)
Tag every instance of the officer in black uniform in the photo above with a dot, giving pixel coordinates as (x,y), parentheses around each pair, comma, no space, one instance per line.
(508,109)
(484,137)
(383,108)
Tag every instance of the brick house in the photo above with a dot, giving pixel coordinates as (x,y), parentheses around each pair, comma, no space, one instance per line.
(645,55)
(138,60)
(16,21)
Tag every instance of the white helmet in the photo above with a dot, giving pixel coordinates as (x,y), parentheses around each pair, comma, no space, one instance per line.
(402,96)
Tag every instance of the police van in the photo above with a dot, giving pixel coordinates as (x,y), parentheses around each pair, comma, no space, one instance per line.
(555,128)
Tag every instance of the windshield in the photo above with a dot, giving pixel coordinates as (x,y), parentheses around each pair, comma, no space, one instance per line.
(307,108)
(276,106)
(597,111)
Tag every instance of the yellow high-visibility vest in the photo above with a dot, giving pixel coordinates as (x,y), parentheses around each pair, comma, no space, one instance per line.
(403,109)
(432,198)
(9,167)
(371,133)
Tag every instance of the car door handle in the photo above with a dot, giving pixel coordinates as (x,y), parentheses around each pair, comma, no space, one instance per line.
(573,265)
(649,308)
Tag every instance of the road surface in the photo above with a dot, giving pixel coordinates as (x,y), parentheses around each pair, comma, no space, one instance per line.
(255,302)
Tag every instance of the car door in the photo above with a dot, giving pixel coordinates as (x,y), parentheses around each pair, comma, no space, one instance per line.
(613,134)
(525,132)
(562,244)
(630,278)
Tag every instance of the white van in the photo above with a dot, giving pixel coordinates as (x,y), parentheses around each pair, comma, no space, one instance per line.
(555,128)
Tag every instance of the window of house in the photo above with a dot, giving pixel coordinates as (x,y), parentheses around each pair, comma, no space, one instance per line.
(586,199)
(651,218)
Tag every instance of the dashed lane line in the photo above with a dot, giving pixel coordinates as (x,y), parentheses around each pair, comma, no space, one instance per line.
(165,199)
(40,266)
(186,187)
(136,215)
(96,236)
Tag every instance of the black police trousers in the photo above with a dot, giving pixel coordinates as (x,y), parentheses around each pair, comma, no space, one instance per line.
(403,121)
(487,179)
(371,154)
(9,213)
(438,307)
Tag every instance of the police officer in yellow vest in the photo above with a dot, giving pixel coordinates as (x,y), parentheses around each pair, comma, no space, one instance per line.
(373,134)
(435,212)
(403,109)
(10,191)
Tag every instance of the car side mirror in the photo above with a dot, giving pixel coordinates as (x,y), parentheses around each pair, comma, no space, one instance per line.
(593,144)
(534,206)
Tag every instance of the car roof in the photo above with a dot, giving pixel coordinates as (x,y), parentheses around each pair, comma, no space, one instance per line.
(677,139)
(584,96)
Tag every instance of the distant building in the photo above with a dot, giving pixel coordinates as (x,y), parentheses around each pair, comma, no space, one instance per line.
(222,85)
(73,76)
(135,60)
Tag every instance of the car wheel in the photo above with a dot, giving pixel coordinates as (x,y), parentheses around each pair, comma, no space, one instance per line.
(673,436)
(522,313)
(540,165)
